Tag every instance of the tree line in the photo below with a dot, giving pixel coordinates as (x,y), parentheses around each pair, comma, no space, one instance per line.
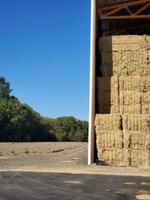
(20,123)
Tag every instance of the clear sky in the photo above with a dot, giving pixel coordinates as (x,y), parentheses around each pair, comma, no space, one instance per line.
(44,54)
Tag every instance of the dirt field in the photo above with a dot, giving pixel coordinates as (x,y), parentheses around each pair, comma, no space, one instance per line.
(46,154)
(62,157)
(60,171)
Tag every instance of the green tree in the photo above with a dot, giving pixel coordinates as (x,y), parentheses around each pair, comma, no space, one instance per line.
(4,88)
(70,129)
(19,122)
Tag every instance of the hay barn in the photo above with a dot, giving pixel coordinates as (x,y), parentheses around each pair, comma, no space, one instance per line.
(119,116)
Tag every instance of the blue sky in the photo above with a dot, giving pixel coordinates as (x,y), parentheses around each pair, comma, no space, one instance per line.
(44,54)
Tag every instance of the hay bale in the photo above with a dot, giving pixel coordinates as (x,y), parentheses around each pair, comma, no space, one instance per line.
(125,109)
(146,123)
(140,158)
(108,122)
(125,55)
(130,109)
(127,97)
(125,69)
(111,156)
(136,158)
(110,70)
(125,43)
(136,140)
(146,97)
(107,93)
(130,83)
(127,139)
(136,122)
(109,139)
(124,59)
(115,109)
(107,98)
(146,155)
(145,108)
(136,83)
(132,122)
(126,157)
(147,141)
(145,83)
(145,70)
(106,84)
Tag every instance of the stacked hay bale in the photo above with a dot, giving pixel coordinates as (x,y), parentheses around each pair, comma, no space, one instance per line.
(123,101)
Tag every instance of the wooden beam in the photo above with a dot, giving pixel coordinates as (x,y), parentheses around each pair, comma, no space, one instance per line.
(113,11)
(115,31)
(124,5)
(125,17)
(142,9)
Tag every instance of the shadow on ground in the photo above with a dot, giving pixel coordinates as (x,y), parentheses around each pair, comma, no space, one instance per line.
(44,186)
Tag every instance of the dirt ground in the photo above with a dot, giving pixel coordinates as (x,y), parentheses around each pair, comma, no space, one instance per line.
(42,155)
(62,157)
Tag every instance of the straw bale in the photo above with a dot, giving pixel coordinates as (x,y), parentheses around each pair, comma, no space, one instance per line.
(110,70)
(146,155)
(145,70)
(136,158)
(145,108)
(147,141)
(146,97)
(148,55)
(137,83)
(125,109)
(146,122)
(132,122)
(107,98)
(136,140)
(125,55)
(106,84)
(107,93)
(140,158)
(126,139)
(109,139)
(130,97)
(134,69)
(125,69)
(108,122)
(126,157)
(114,109)
(145,83)
(124,42)
(130,109)
(136,122)
(111,156)
(124,58)
(130,83)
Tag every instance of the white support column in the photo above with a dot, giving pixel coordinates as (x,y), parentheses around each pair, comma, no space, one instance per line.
(91,138)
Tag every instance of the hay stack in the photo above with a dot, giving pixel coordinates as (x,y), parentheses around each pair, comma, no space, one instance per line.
(123,101)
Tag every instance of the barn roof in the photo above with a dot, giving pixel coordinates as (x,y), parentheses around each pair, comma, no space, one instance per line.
(124,9)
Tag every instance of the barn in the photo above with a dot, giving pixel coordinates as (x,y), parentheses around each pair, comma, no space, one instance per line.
(119,108)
